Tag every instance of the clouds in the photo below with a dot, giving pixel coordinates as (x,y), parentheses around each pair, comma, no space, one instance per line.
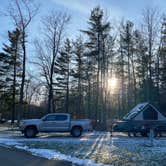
(77,5)
(85,6)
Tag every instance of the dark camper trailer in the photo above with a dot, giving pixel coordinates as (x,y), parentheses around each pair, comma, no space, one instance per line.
(140,120)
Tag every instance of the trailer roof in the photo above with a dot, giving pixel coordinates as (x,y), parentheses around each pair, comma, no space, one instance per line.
(137,109)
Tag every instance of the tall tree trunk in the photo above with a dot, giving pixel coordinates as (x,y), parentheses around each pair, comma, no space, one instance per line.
(50,99)
(122,80)
(14,93)
(134,80)
(80,114)
(129,77)
(67,91)
(89,98)
(20,111)
(150,93)
(98,78)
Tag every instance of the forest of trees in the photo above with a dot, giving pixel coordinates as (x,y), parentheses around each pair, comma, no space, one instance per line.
(100,74)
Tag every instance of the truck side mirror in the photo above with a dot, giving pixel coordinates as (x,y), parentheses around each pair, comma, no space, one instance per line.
(44,119)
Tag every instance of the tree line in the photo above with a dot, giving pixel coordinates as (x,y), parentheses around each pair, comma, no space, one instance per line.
(75,75)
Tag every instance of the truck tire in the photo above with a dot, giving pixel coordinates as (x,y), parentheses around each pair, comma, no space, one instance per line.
(143,133)
(134,134)
(76,131)
(160,134)
(30,132)
(147,133)
(155,133)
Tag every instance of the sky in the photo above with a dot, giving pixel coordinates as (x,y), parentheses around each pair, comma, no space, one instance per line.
(79,10)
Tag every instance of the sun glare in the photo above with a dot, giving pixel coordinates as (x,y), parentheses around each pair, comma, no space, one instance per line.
(112,83)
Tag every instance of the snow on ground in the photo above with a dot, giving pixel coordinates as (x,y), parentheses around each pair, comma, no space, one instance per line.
(93,149)
(52,154)
(46,153)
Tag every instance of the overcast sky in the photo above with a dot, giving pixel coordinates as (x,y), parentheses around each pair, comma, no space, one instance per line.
(79,10)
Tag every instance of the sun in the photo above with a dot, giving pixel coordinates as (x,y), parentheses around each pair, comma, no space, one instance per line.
(112,83)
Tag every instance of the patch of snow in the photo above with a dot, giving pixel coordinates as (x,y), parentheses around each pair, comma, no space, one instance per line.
(46,153)
(97,145)
(159,149)
(9,141)
(4,128)
(52,154)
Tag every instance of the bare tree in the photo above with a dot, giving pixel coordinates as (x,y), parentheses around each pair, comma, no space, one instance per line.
(33,88)
(47,50)
(22,12)
(150,28)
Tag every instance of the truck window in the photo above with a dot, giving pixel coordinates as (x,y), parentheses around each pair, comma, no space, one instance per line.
(50,118)
(61,117)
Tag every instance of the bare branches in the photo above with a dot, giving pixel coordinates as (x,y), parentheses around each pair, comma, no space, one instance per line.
(47,51)
(22,12)
(32,89)
(54,25)
(151,20)
(42,61)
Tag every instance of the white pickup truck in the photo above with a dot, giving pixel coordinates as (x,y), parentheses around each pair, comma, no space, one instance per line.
(55,122)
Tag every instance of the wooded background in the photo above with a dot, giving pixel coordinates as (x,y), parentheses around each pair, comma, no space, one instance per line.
(100,74)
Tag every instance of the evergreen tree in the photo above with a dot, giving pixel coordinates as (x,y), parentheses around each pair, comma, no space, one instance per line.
(140,51)
(3,85)
(12,64)
(150,31)
(120,65)
(63,70)
(162,65)
(79,73)
(3,58)
(97,33)
(127,47)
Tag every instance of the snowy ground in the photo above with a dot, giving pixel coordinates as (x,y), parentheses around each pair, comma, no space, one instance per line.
(92,149)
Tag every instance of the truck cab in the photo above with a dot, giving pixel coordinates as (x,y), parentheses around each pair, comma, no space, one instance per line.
(55,122)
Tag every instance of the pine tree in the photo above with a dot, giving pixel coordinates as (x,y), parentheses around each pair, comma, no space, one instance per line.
(150,30)
(120,65)
(3,85)
(12,65)
(97,33)
(63,69)
(79,73)
(162,64)
(3,58)
(127,47)
(140,51)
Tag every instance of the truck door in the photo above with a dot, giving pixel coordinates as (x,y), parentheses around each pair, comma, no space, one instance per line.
(62,122)
(49,123)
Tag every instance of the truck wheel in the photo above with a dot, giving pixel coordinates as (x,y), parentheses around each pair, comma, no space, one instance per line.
(134,134)
(160,134)
(155,133)
(76,131)
(129,134)
(30,132)
(143,134)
